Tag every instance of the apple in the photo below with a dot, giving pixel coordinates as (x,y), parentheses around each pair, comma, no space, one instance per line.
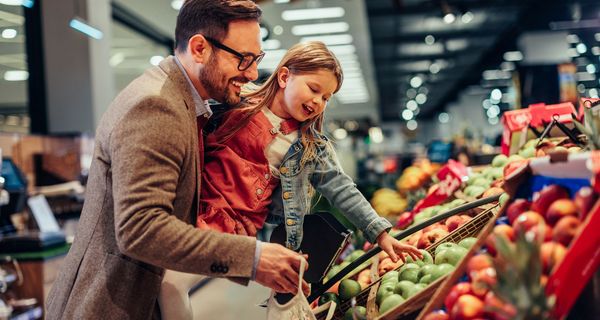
(360,311)
(364,278)
(492,192)
(479,262)
(565,230)
(427,269)
(385,290)
(455,222)
(427,258)
(501,230)
(431,237)
(499,161)
(390,302)
(437,315)
(542,232)
(414,238)
(584,199)
(410,274)
(452,255)
(390,276)
(542,199)
(467,307)
(441,270)
(444,246)
(456,291)
(426,279)
(560,208)
(551,254)
(527,220)
(516,208)
(406,289)
(483,280)
(503,199)
(467,243)
(496,309)
(437,225)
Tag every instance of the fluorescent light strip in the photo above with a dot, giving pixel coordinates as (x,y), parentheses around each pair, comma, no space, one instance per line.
(320,28)
(85,28)
(330,40)
(312,14)
(271,44)
(343,49)
(16,75)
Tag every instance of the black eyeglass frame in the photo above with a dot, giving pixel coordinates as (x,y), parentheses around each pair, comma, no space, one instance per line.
(242,56)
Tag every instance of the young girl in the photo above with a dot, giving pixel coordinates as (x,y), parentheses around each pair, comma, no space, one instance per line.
(267,158)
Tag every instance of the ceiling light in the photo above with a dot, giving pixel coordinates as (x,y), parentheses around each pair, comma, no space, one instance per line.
(416,111)
(342,49)
(496,94)
(597,36)
(407,114)
(585,76)
(416,82)
(434,68)
(449,18)
(9,33)
(12,2)
(313,14)
(429,39)
(507,66)
(176,4)
(596,51)
(320,28)
(513,56)
(444,117)
(411,93)
(340,133)
(278,30)
(16,75)
(593,93)
(412,125)
(590,68)
(331,39)
(281,1)
(412,105)
(467,17)
(493,111)
(155,60)
(572,38)
(487,104)
(423,90)
(581,48)
(271,44)
(581,88)
(496,75)
(493,120)
(572,52)
(376,134)
(83,27)
(421,98)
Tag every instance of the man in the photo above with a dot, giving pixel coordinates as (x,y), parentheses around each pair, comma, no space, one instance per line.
(142,190)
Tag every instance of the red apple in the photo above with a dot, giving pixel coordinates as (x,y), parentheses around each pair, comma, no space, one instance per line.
(552,254)
(431,237)
(479,262)
(456,222)
(497,309)
(482,281)
(516,208)
(437,315)
(437,225)
(584,200)
(467,307)
(502,230)
(543,232)
(545,197)
(560,208)
(457,290)
(565,230)
(527,220)
(414,238)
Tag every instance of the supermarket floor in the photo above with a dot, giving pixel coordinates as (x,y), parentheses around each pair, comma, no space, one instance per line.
(224,300)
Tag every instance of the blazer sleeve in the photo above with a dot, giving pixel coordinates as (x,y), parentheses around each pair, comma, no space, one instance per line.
(147,150)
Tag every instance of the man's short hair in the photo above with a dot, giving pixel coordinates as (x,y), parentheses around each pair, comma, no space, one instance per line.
(211,18)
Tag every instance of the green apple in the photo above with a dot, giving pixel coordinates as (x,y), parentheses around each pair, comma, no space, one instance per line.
(427,258)
(329,296)
(358,310)
(451,255)
(408,266)
(427,269)
(420,286)
(410,274)
(348,288)
(455,203)
(527,152)
(405,289)
(334,269)
(444,246)
(426,279)
(499,161)
(442,270)
(354,255)
(385,289)
(390,276)
(514,157)
(475,190)
(390,303)
(504,198)
(467,243)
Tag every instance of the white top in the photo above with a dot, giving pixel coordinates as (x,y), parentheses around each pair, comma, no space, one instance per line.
(280,145)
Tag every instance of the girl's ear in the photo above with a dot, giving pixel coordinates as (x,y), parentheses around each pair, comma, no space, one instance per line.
(282,77)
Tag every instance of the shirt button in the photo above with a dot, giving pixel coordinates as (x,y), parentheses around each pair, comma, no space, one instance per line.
(206,115)
(259,191)
(287,195)
(267,176)
(273,130)
(283,170)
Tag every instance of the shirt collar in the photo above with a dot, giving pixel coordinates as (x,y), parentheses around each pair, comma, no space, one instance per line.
(201,105)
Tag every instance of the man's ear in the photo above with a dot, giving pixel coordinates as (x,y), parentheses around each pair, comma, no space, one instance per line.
(199,48)
(282,77)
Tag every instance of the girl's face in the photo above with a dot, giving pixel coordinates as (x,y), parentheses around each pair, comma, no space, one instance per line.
(305,96)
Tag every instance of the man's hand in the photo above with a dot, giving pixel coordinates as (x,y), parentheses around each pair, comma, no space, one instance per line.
(278,269)
(396,249)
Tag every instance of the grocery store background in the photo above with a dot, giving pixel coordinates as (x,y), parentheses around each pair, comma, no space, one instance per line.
(416,72)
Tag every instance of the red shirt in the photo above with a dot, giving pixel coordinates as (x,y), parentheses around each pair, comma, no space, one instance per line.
(236,181)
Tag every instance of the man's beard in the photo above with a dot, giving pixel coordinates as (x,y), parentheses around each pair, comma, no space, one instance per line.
(216,84)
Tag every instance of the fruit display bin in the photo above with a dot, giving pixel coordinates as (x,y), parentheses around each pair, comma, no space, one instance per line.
(569,276)
(469,229)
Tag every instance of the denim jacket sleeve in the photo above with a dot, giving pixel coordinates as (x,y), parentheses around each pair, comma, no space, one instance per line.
(331,181)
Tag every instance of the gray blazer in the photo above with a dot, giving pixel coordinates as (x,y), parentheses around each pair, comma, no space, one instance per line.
(141,201)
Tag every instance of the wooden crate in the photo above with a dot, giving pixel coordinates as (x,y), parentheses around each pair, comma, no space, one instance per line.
(469,229)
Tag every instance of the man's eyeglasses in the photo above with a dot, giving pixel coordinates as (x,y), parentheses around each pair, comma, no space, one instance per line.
(246,59)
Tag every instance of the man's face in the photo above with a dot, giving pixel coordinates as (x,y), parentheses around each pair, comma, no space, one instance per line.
(220,76)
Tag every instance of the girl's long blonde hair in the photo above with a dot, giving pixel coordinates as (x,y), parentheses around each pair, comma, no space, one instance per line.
(302,58)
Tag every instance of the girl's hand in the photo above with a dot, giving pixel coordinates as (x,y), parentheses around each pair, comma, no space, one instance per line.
(395,249)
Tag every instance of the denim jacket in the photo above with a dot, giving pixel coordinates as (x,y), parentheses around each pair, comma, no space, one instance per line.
(293,198)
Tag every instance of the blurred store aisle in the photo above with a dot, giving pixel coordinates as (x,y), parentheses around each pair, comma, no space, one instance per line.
(224,300)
